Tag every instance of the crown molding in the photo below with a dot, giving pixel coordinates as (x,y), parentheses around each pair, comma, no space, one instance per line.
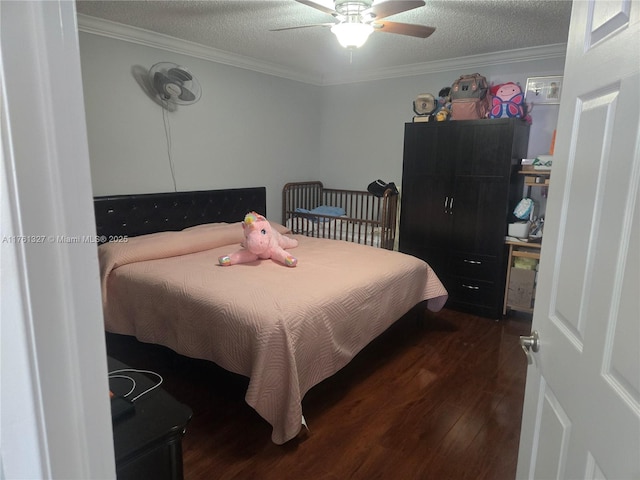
(126,33)
(140,36)
(473,62)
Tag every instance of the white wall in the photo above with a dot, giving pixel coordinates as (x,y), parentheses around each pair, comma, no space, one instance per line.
(363,124)
(252,129)
(248,129)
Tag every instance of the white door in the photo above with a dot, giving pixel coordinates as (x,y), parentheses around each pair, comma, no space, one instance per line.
(582,404)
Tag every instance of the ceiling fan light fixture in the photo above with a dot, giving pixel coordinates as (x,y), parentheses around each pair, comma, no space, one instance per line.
(352,35)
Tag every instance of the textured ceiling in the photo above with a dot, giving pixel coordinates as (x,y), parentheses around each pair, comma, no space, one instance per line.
(463,28)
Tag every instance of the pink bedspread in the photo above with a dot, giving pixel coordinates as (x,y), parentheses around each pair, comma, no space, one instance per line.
(287,329)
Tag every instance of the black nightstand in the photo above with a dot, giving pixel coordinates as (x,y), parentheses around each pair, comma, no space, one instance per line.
(148,441)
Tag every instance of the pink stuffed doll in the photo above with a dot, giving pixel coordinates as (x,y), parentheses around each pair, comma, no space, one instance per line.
(261,241)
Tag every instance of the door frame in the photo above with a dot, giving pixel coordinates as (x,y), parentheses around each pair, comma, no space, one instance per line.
(54,391)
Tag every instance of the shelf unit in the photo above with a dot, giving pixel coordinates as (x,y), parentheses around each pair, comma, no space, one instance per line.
(523,250)
(536,178)
(532,178)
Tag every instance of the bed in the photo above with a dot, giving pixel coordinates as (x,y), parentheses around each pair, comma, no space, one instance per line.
(355,216)
(286,329)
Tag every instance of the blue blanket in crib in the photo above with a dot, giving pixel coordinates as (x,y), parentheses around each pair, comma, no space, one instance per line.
(324,210)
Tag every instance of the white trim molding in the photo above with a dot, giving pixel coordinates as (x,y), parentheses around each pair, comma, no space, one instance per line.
(474,62)
(106,28)
(140,36)
(57,353)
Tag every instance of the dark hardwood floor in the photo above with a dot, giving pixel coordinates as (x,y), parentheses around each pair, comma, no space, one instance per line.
(437,396)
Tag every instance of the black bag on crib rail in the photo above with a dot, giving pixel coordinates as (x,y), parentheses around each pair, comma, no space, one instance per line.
(378,187)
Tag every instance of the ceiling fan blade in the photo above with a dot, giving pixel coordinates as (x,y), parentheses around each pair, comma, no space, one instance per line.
(302,26)
(404,29)
(317,6)
(391,7)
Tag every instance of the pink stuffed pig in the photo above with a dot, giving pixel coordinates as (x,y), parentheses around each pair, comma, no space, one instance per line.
(261,241)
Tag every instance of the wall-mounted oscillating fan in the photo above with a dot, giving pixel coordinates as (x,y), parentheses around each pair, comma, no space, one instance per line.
(174,84)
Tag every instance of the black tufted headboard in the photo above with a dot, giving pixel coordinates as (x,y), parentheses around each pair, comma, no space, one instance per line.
(132,215)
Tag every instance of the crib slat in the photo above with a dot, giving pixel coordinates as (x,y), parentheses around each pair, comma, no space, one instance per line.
(369,220)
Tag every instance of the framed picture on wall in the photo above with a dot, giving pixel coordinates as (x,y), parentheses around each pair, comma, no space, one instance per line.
(543,90)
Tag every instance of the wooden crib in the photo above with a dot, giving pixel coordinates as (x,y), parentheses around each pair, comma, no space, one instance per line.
(355,216)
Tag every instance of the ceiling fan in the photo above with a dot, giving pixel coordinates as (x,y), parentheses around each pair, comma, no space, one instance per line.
(357,19)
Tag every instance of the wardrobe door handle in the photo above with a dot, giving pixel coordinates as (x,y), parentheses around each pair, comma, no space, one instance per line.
(451,207)
(470,287)
(473,262)
(446,202)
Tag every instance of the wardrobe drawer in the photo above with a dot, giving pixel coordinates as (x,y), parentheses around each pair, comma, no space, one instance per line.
(474,266)
(473,292)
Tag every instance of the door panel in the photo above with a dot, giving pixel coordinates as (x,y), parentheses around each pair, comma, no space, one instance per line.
(425,222)
(555,428)
(583,212)
(484,154)
(587,368)
(478,225)
(622,355)
(428,146)
(425,219)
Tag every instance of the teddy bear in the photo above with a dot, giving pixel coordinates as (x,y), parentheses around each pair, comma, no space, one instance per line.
(261,241)
(443,114)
